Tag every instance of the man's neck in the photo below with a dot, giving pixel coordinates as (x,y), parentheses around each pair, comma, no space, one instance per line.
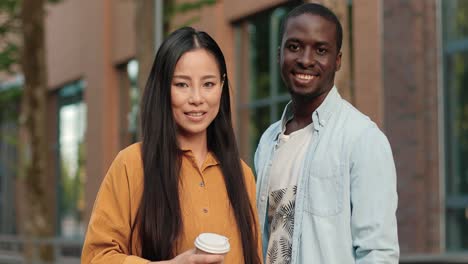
(303,109)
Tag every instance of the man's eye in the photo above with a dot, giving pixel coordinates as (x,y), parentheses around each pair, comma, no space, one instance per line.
(321,51)
(293,47)
(182,85)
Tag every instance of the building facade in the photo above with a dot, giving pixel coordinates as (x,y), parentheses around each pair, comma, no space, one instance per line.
(404,65)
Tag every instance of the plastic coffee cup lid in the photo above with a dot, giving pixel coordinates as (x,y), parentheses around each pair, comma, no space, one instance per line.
(212,243)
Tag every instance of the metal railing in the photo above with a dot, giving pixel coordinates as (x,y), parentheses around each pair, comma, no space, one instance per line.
(65,251)
(445,258)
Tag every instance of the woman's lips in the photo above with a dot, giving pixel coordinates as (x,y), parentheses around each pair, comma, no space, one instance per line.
(195,116)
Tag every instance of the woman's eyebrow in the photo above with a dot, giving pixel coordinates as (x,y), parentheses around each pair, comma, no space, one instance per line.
(209,77)
(182,76)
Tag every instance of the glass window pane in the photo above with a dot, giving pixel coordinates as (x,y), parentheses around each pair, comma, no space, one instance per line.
(259,57)
(455,32)
(134,95)
(129,95)
(72,127)
(10,93)
(276,18)
(8,170)
(457,229)
(455,18)
(457,123)
(260,121)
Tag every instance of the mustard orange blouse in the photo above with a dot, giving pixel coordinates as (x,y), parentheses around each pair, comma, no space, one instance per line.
(204,204)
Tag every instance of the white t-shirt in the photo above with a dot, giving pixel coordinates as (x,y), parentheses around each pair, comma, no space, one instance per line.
(284,173)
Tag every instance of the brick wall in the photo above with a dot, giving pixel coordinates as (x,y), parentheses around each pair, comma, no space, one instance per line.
(410,66)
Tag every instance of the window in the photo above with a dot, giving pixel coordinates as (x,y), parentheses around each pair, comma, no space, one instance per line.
(455,54)
(10,94)
(71,157)
(129,103)
(260,93)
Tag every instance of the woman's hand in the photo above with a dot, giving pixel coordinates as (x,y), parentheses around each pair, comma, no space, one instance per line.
(189,257)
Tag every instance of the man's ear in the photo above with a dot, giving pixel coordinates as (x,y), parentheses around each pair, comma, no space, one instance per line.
(338,61)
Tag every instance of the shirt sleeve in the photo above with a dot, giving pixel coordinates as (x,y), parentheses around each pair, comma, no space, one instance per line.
(110,229)
(251,189)
(374,200)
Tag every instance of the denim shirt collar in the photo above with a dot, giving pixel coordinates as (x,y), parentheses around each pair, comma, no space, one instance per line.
(320,116)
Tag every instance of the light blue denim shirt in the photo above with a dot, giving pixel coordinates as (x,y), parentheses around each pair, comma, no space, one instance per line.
(346,194)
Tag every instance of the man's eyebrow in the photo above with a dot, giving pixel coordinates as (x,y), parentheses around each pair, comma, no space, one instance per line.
(293,40)
(318,43)
(322,43)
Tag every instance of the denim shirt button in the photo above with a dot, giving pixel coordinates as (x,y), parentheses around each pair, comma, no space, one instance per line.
(263,198)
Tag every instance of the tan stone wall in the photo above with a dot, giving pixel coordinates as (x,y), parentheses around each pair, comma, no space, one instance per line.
(367,67)
(86,39)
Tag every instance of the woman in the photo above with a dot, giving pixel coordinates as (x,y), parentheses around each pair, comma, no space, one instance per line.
(185,177)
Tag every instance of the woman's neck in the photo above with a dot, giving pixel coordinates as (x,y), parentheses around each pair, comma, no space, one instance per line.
(197,144)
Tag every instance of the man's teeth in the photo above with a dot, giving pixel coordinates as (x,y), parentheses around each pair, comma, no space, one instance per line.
(195,114)
(304,76)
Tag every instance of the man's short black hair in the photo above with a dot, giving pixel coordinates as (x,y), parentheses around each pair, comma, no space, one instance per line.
(319,10)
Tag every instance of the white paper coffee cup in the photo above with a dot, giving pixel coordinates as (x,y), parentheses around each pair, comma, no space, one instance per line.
(212,243)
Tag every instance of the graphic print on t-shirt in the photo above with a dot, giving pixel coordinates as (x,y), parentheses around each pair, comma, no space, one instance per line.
(281,219)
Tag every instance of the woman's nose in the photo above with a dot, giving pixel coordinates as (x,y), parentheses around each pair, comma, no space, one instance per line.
(195,96)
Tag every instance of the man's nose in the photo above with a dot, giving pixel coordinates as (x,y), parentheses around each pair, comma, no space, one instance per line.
(306,58)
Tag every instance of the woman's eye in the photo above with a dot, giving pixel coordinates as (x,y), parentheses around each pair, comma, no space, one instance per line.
(181,85)
(209,84)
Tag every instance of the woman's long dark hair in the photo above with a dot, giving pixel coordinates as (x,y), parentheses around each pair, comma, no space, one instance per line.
(159,214)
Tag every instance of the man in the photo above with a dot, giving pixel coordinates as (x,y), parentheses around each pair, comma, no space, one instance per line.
(326,187)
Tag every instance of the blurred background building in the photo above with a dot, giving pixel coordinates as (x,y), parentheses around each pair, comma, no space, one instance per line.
(405,64)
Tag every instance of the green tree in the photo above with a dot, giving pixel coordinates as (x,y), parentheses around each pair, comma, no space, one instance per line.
(37,216)
(22,49)
(9,30)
